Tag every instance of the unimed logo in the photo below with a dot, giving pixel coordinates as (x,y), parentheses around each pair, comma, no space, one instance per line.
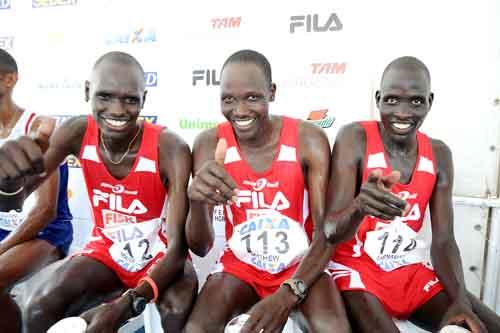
(4,4)
(52,3)
(208,77)
(151,79)
(321,118)
(313,23)
(226,22)
(329,68)
(197,123)
(6,42)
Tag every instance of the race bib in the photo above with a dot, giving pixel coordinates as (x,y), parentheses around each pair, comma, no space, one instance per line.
(135,244)
(271,242)
(395,245)
(9,221)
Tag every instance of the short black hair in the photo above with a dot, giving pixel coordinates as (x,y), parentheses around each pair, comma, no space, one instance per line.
(7,63)
(120,58)
(411,62)
(253,57)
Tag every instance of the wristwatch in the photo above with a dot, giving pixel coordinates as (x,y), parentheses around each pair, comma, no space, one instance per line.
(137,302)
(298,288)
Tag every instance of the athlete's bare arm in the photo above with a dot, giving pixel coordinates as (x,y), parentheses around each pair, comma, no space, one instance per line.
(24,157)
(444,250)
(175,170)
(44,211)
(208,177)
(348,201)
(314,150)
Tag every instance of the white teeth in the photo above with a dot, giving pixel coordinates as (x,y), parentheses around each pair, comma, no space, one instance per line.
(401,126)
(116,123)
(244,123)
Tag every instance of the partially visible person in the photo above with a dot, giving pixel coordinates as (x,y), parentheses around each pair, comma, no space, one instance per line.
(384,175)
(270,173)
(35,229)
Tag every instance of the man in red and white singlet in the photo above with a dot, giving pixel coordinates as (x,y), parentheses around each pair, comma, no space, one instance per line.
(270,174)
(385,174)
(129,167)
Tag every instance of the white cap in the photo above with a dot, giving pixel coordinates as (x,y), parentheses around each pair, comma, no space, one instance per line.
(454,329)
(70,324)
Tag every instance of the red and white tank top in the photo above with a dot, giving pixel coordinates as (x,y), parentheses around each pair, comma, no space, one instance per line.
(127,212)
(266,226)
(392,244)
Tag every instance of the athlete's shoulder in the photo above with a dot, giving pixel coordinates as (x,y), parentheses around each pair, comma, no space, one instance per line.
(309,132)
(170,140)
(207,138)
(352,132)
(442,153)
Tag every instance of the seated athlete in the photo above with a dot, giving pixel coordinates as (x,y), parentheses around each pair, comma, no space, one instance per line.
(136,175)
(384,175)
(35,231)
(270,172)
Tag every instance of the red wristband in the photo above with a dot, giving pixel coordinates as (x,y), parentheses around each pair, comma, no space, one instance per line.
(152,284)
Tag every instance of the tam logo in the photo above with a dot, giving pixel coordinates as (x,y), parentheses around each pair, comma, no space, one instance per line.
(329,68)
(311,23)
(226,22)
(4,4)
(151,79)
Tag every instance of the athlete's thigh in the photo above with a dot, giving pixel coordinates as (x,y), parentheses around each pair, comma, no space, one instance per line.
(179,297)
(223,297)
(24,259)
(367,314)
(80,283)
(431,313)
(323,308)
(489,318)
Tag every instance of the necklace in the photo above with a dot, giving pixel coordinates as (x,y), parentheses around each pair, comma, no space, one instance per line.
(108,155)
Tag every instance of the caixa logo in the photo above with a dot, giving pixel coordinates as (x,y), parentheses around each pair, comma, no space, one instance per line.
(313,23)
(151,79)
(52,3)
(6,42)
(207,76)
(4,4)
(137,36)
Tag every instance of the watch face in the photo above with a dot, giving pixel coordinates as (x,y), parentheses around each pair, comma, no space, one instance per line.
(301,286)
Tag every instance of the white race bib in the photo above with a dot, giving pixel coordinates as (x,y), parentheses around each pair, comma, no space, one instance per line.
(135,244)
(394,245)
(271,242)
(11,220)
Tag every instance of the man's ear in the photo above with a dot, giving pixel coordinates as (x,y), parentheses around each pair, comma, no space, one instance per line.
(431,99)
(273,92)
(377,98)
(144,98)
(87,91)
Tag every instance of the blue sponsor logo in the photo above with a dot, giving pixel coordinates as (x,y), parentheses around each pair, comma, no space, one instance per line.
(139,36)
(4,4)
(151,79)
(52,3)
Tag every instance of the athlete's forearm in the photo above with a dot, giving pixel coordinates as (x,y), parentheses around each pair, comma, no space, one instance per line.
(448,267)
(342,225)
(199,228)
(314,262)
(37,219)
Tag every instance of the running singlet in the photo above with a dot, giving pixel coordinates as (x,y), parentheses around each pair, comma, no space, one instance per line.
(265,228)
(394,244)
(60,231)
(126,212)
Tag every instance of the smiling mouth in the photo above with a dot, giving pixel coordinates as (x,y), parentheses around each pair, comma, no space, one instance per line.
(401,128)
(116,124)
(244,123)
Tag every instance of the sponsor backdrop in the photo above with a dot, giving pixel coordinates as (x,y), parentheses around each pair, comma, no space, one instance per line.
(326,57)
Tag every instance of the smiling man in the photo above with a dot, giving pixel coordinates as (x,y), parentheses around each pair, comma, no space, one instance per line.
(271,174)
(384,175)
(136,175)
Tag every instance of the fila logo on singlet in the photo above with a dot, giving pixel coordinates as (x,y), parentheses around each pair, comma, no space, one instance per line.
(256,196)
(114,200)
